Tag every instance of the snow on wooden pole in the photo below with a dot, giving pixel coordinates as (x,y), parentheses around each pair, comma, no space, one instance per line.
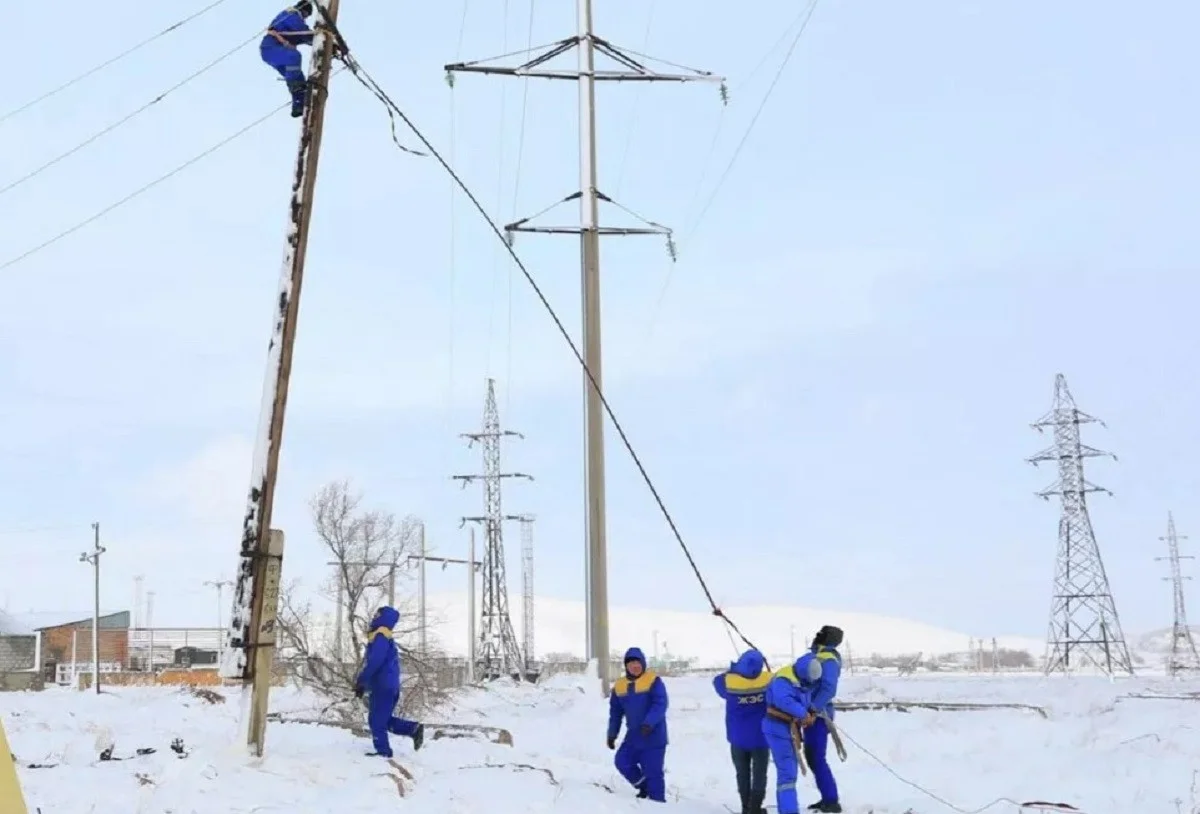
(246,616)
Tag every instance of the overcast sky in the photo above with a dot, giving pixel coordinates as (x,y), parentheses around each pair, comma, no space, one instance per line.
(942,206)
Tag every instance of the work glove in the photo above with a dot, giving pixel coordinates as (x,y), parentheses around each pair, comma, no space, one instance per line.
(808,720)
(646,729)
(612,743)
(359,691)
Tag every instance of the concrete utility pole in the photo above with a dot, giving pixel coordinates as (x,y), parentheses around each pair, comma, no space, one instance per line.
(248,634)
(589,230)
(94,560)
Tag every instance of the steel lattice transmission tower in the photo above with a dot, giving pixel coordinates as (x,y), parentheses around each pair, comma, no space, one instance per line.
(497,652)
(1084,627)
(1184,657)
(527,623)
(628,66)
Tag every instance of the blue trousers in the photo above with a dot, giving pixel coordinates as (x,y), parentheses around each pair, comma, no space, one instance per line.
(787,766)
(287,62)
(643,768)
(380,706)
(816,741)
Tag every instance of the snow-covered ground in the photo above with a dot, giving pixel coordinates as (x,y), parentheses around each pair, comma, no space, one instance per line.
(1097,749)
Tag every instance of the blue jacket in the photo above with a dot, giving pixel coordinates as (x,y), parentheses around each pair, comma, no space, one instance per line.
(824,687)
(381,664)
(640,701)
(789,694)
(744,689)
(290,28)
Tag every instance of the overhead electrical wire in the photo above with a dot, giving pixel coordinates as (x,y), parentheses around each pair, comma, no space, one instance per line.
(637,99)
(804,19)
(365,78)
(491,322)
(139,191)
(508,362)
(128,117)
(800,24)
(111,61)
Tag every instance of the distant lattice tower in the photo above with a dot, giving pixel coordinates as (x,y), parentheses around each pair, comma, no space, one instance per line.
(527,623)
(497,651)
(1084,629)
(1183,658)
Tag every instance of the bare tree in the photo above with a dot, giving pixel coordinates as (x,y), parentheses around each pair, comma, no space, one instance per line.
(369,551)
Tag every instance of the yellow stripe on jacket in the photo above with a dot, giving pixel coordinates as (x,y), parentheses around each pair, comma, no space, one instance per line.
(386,632)
(639,685)
(740,685)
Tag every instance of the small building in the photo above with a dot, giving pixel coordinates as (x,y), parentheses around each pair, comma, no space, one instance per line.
(67,638)
(18,655)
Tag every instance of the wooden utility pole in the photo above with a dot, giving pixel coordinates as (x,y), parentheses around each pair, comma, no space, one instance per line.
(252,621)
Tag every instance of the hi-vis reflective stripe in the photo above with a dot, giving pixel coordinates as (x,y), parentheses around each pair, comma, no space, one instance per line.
(12,801)
(788,673)
(740,685)
(828,655)
(641,684)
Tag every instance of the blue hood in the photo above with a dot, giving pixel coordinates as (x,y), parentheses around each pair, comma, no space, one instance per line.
(635,654)
(386,616)
(749,664)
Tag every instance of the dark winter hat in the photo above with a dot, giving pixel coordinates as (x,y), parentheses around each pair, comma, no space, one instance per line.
(305,7)
(828,636)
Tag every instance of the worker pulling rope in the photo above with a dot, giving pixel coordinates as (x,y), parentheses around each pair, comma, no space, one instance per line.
(394,113)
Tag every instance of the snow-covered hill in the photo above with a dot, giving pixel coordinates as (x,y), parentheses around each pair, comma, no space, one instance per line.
(559,628)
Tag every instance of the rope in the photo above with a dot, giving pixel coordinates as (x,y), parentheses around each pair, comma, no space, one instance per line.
(369,82)
(146,188)
(942,800)
(111,61)
(123,120)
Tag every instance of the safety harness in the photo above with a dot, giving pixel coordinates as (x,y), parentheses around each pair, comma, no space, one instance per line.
(281,39)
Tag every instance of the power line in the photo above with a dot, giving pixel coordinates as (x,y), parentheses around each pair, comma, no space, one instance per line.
(123,120)
(145,188)
(369,82)
(802,20)
(111,61)
(805,17)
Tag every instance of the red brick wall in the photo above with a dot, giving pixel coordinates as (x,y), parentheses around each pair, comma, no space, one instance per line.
(57,641)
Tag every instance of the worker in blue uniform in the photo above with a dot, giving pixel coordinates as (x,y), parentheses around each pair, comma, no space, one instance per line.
(744,688)
(787,704)
(799,709)
(639,698)
(280,49)
(379,679)
(824,652)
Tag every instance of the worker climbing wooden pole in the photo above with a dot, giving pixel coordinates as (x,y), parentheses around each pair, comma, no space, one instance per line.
(251,623)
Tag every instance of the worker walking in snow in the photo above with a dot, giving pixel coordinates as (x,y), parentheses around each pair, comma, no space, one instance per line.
(818,722)
(744,687)
(639,698)
(380,679)
(280,49)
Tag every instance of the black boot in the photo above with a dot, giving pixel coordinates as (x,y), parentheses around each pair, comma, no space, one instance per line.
(816,806)
(756,802)
(299,90)
(747,805)
(830,807)
(641,790)
(418,737)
